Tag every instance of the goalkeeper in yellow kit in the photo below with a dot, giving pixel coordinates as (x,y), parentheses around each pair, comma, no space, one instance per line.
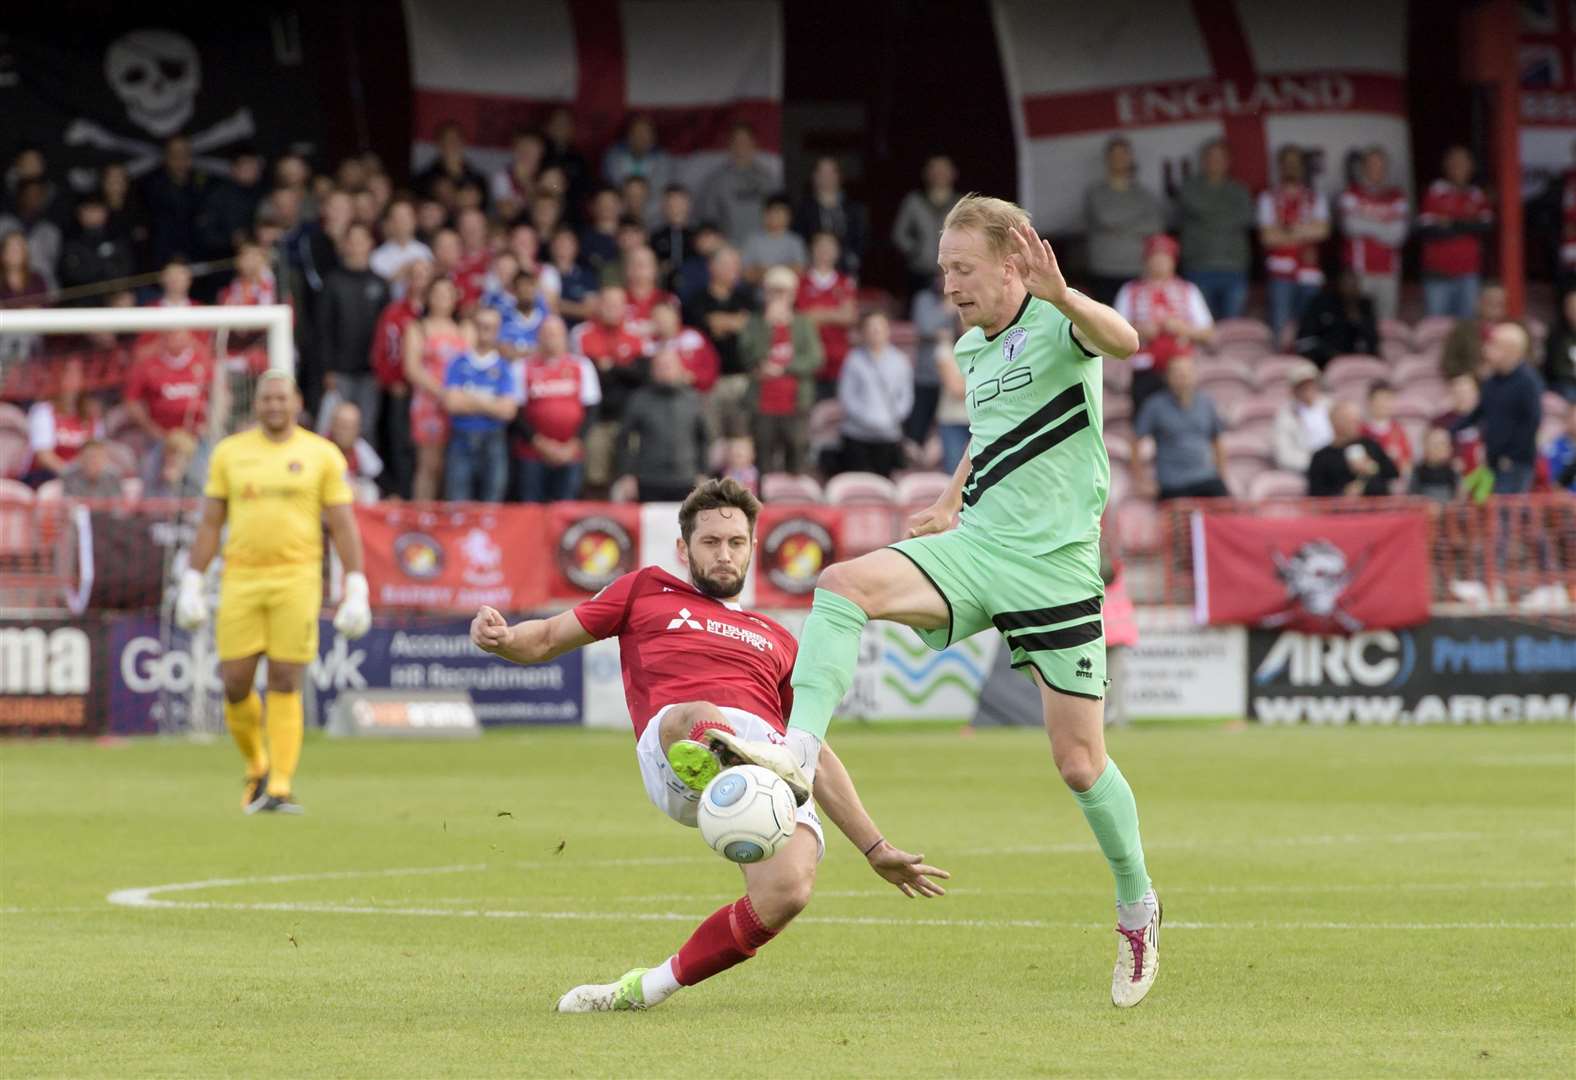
(274,484)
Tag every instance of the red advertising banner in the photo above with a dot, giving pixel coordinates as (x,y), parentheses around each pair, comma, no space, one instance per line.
(455,557)
(793,545)
(1331,574)
(592,545)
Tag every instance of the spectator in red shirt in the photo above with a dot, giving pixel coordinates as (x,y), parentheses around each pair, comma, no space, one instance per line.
(829,299)
(59,427)
(1454,219)
(1383,428)
(622,368)
(388,364)
(1169,313)
(782,350)
(475,259)
(559,396)
(1374,214)
(169,388)
(1293,221)
(695,352)
(643,294)
(515,183)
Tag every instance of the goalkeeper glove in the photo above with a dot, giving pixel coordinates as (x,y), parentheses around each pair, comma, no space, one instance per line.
(354,616)
(191,609)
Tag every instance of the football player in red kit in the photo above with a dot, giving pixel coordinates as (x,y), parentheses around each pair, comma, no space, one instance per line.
(701,672)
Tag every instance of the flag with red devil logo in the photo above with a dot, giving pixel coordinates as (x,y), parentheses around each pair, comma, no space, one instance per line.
(1329,574)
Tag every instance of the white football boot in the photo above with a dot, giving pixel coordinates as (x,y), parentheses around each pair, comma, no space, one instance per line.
(1137,962)
(622,996)
(773,757)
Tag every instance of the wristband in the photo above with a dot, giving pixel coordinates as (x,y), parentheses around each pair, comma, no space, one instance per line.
(879,841)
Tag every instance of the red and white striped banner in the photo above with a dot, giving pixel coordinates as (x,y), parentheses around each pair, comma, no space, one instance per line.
(1547,56)
(1170,77)
(694,66)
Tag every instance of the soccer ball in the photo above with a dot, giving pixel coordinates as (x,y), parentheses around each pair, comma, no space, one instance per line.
(746,813)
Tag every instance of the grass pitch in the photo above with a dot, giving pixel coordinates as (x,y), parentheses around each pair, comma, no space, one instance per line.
(1339,903)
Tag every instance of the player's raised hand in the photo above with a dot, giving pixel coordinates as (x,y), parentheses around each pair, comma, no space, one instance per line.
(1037,266)
(489,630)
(910,873)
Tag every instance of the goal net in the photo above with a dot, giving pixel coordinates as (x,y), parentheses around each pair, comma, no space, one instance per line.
(107,418)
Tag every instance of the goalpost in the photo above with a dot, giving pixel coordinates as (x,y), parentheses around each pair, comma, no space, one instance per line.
(187,693)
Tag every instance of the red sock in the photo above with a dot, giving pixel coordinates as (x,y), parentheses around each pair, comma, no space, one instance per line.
(729,936)
(700,727)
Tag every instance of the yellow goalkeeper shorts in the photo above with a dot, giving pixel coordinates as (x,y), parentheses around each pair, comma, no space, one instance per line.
(273,612)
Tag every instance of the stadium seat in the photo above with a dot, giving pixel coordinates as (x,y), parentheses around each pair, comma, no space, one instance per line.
(1118,407)
(1242,471)
(1394,330)
(1118,449)
(12,418)
(50,490)
(1138,524)
(1229,332)
(1117,376)
(1555,406)
(1414,367)
(1227,394)
(1216,365)
(14,491)
(1278,484)
(1355,368)
(921,488)
(1273,370)
(790,488)
(1121,484)
(1410,404)
(903,335)
(16,452)
(1430,332)
(1250,442)
(1118,429)
(854,488)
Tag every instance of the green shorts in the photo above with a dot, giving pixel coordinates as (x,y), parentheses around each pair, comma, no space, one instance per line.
(1046,606)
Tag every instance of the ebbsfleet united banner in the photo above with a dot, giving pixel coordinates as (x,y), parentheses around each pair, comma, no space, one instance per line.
(1321,574)
(455,557)
(111,87)
(1172,76)
(696,67)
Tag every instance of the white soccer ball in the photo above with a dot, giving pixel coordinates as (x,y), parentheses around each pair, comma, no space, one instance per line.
(747,813)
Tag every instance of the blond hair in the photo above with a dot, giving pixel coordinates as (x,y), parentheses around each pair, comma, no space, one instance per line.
(994,219)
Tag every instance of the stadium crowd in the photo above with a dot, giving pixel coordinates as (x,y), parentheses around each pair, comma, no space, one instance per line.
(563,328)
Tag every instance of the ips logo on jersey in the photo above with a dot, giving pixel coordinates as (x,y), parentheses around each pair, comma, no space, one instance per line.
(593,553)
(419,555)
(1012,344)
(796,550)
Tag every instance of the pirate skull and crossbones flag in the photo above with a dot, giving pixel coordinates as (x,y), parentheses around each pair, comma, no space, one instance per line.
(113,90)
(1320,574)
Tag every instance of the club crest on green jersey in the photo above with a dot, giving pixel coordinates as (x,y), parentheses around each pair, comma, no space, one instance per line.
(1012,344)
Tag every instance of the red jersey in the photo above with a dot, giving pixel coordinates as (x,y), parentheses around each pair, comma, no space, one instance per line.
(780,393)
(241,293)
(637,316)
(1145,302)
(558,392)
(598,343)
(824,294)
(1468,441)
(1447,204)
(1285,208)
(677,644)
(174,385)
(1393,440)
(72,433)
(470,274)
(699,357)
(1374,223)
(388,342)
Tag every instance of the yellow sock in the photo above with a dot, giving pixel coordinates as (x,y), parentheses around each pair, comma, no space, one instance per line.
(285,721)
(244,718)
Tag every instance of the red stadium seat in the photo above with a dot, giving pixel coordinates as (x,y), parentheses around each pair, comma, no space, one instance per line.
(1117,376)
(921,488)
(1138,524)
(791,488)
(1415,368)
(51,490)
(1273,370)
(1253,442)
(1430,332)
(1355,368)
(1118,449)
(855,488)
(1230,332)
(1278,484)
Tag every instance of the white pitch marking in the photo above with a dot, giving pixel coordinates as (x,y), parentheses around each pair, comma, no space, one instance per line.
(146,897)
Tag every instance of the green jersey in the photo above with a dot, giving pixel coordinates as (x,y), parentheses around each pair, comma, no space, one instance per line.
(1039,472)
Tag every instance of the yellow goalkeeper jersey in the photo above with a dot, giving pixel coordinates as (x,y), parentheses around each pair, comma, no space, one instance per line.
(276,492)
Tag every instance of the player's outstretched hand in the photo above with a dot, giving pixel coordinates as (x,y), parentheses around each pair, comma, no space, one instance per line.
(1037,265)
(910,873)
(489,630)
(936,518)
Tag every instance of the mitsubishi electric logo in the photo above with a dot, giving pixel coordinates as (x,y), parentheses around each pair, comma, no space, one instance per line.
(685,620)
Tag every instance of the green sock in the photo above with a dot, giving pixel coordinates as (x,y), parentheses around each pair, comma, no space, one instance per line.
(1112,813)
(828,652)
